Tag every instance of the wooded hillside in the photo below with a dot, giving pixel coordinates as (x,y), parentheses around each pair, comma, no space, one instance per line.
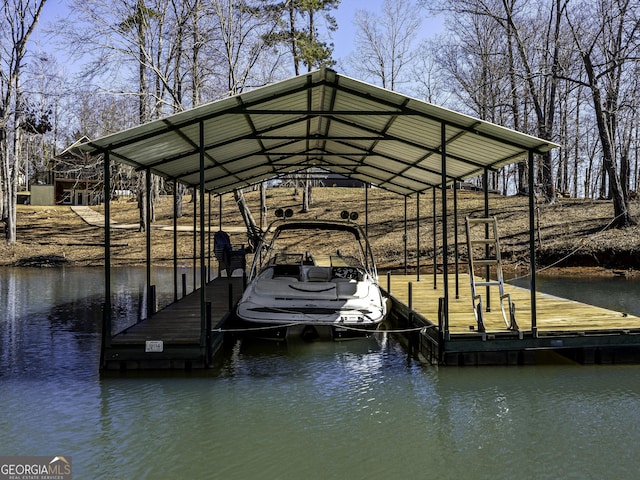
(572,232)
(561,70)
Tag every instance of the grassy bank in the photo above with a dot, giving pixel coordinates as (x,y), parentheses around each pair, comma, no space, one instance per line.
(569,233)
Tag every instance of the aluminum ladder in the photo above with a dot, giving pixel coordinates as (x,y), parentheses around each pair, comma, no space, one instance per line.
(483,247)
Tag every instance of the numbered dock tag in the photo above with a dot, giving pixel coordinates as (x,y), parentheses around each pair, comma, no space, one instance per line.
(154,346)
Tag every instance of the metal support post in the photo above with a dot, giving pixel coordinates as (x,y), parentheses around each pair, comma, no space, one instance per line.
(532,245)
(445,240)
(418,236)
(147,227)
(203,270)
(175,241)
(404,237)
(455,237)
(485,181)
(106,314)
(435,243)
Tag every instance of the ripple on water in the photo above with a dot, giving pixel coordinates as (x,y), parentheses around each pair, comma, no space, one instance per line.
(352,410)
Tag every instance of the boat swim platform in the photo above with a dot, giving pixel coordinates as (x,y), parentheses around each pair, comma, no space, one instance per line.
(172,337)
(577,331)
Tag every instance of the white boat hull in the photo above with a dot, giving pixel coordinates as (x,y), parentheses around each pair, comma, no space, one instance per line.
(338,302)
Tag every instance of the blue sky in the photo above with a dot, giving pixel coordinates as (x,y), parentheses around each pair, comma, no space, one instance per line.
(343,37)
(345,14)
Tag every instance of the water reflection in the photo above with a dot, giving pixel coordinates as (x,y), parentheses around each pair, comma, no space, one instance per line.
(50,323)
(51,317)
(621,294)
(550,416)
(356,409)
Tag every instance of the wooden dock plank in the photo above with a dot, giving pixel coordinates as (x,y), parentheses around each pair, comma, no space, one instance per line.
(553,314)
(179,323)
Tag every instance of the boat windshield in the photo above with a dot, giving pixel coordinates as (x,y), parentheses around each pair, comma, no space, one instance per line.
(316,246)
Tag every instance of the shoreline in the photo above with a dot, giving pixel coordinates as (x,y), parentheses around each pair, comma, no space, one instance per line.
(570,234)
(510,272)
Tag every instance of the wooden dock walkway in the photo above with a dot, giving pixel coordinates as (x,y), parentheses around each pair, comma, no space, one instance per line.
(172,337)
(586,332)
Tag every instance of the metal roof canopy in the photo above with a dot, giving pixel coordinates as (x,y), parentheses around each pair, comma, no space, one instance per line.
(319,119)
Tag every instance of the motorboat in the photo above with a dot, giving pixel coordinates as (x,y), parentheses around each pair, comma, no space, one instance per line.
(313,278)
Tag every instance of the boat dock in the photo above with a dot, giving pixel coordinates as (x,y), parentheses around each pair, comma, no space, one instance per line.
(583,333)
(382,139)
(565,329)
(172,337)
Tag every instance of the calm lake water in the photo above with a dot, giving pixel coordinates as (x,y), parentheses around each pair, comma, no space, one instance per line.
(353,410)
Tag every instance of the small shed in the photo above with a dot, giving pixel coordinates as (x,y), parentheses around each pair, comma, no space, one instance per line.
(44,195)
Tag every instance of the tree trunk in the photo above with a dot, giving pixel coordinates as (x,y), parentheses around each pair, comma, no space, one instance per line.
(179,203)
(622,215)
(306,189)
(293,38)
(263,205)
(543,97)
(196,73)
(4,168)
(155,196)
(253,231)
(142,202)
(21,21)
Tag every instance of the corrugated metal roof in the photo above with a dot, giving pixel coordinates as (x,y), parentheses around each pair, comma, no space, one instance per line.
(320,119)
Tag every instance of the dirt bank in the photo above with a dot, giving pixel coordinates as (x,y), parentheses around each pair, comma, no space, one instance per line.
(568,234)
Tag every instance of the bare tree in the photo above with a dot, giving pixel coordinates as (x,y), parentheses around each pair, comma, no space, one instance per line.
(606,49)
(477,66)
(19,20)
(537,67)
(243,48)
(244,30)
(46,94)
(149,40)
(544,93)
(384,44)
(571,71)
(429,77)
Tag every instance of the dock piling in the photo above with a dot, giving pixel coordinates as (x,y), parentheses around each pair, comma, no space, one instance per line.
(209,337)
(183,334)
(152,307)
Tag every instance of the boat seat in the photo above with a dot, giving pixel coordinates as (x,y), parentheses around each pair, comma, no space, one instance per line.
(230,257)
(319,274)
(286,271)
(350,289)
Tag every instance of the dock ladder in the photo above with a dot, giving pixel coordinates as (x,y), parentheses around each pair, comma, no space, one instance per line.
(483,246)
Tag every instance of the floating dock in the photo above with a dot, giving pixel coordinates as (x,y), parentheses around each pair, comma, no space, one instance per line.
(172,338)
(584,333)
